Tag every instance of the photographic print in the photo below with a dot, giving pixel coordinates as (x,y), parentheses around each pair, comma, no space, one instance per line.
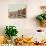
(17,11)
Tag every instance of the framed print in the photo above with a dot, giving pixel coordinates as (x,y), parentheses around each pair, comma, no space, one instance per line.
(17,11)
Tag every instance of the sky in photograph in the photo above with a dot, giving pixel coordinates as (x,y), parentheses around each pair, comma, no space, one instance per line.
(15,7)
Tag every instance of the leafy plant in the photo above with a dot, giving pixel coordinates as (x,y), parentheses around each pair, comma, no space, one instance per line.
(41,17)
(11,31)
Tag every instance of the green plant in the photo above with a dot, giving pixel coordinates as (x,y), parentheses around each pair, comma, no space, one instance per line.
(41,17)
(11,31)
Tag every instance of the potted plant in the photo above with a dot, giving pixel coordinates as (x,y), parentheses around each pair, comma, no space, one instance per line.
(10,31)
(42,17)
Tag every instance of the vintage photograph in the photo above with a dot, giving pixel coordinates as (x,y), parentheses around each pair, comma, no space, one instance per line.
(17,11)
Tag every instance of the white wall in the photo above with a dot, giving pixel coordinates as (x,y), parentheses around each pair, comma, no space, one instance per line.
(24,26)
